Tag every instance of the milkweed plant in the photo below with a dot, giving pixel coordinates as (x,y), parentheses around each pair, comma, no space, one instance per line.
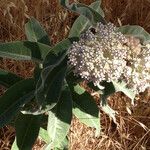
(108,58)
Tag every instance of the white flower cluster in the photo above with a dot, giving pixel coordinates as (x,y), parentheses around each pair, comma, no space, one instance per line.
(102,53)
(99,56)
(137,73)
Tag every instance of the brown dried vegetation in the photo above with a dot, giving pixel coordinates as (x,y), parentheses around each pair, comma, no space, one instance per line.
(133,131)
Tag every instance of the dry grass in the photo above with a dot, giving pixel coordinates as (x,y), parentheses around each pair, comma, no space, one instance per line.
(133,131)
(128,11)
(7,137)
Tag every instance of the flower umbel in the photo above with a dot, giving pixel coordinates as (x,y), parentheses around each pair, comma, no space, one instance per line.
(137,73)
(103,54)
(99,56)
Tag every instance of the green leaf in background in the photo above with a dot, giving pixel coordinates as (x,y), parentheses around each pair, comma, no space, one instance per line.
(15,97)
(24,50)
(82,23)
(122,86)
(72,78)
(84,10)
(62,146)
(36,111)
(111,88)
(52,73)
(44,135)
(35,32)
(79,90)
(109,111)
(92,86)
(85,108)
(96,6)
(136,31)
(107,91)
(58,52)
(60,118)
(49,88)
(37,71)
(27,130)
(7,78)
(14,145)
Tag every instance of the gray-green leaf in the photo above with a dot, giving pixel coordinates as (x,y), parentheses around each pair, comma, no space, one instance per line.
(12,100)
(7,79)
(109,111)
(122,86)
(58,52)
(82,23)
(27,130)
(62,146)
(60,118)
(85,109)
(35,32)
(14,145)
(49,86)
(136,31)
(44,135)
(108,90)
(84,10)
(24,50)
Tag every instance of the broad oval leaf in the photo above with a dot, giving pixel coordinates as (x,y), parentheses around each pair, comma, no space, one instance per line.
(35,32)
(49,86)
(7,78)
(27,130)
(82,23)
(108,90)
(14,145)
(84,10)
(59,119)
(44,135)
(24,50)
(15,97)
(136,31)
(114,86)
(110,112)
(62,146)
(58,52)
(122,86)
(85,109)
